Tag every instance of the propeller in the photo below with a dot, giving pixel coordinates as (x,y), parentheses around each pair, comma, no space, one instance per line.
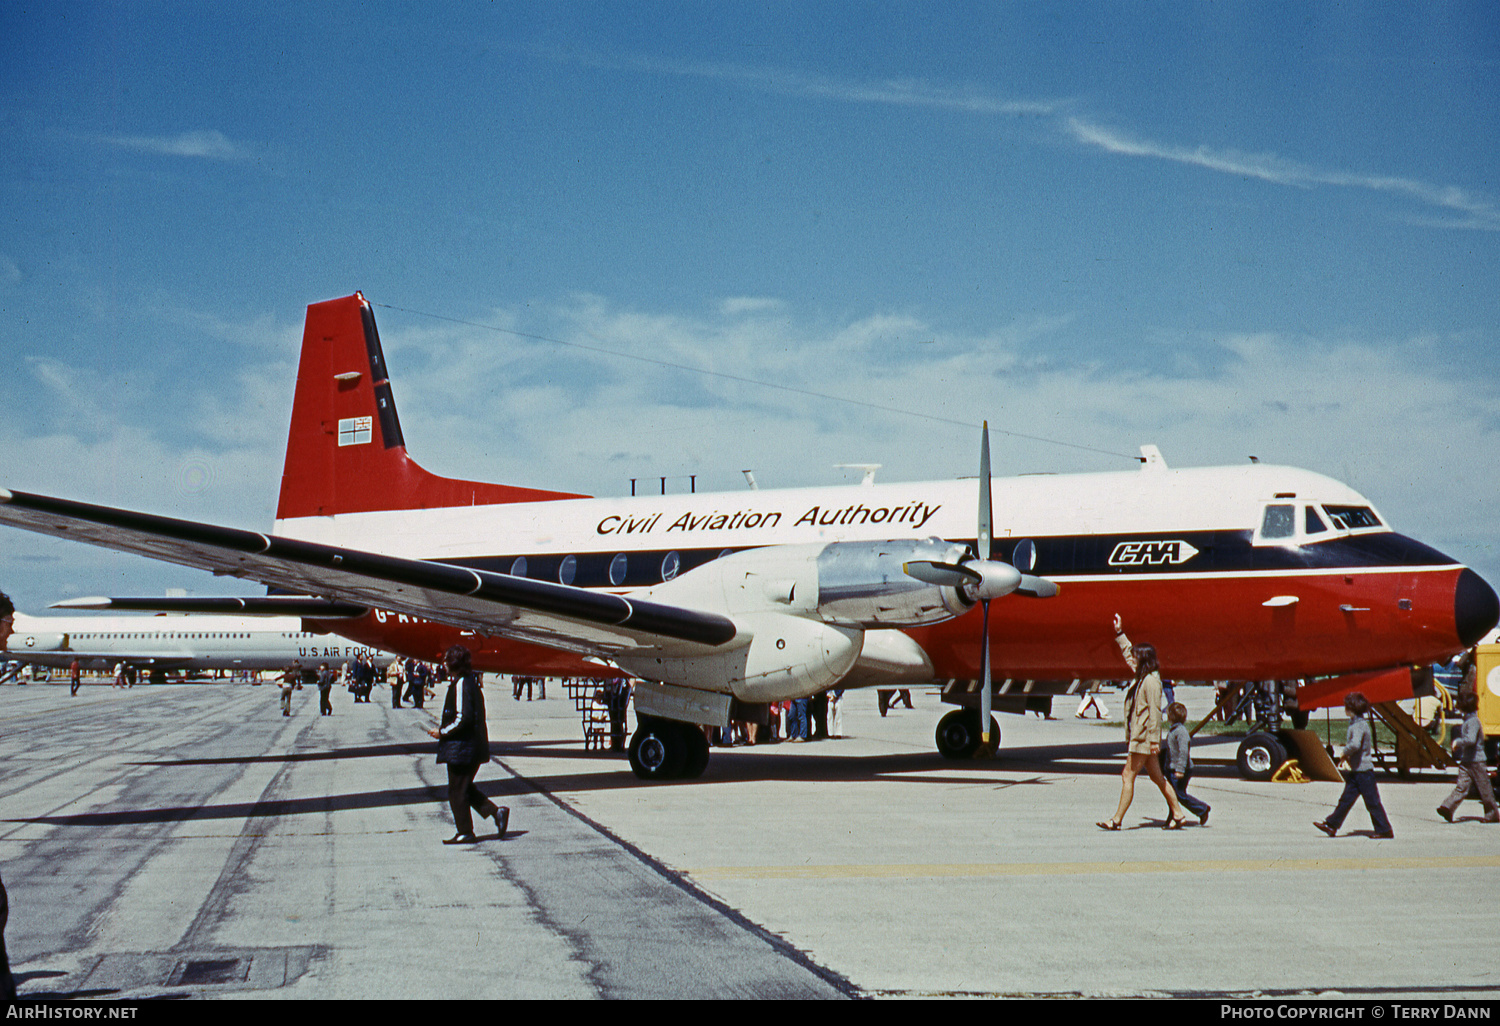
(982,579)
(983,542)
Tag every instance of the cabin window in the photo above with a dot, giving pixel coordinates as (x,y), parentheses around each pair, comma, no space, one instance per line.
(1315,523)
(518,568)
(568,570)
(671,565)
(617,569)
(1023,558)
(1280,521)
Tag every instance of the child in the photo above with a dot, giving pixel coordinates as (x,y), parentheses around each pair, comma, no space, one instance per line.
(1180,761)
(1359,743)
(1473,774)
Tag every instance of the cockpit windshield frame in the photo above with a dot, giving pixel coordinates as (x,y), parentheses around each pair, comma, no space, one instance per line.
(1286,520)
(1353,518)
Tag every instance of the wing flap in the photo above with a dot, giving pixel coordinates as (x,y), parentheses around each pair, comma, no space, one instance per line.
(557,615)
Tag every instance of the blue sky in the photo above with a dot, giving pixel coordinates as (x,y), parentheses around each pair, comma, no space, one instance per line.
(1225,229)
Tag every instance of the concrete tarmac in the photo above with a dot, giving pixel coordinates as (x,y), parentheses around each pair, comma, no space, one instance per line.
(188,840)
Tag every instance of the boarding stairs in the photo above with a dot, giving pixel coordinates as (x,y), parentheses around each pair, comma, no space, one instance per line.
(588,699)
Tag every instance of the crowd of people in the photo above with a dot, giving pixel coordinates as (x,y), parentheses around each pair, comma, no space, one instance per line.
(408,679)
(818,717)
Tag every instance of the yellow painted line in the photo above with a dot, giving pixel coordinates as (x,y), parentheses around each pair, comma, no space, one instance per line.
(1086,868)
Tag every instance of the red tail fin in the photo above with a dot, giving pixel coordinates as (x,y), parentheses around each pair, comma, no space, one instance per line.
(345,453)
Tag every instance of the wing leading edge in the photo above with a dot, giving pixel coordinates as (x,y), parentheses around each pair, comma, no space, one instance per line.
(557,615)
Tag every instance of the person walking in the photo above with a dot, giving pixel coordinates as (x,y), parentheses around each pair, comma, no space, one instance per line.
(1142,732)
(1473,772)
(796,724)
(75,678)
(1359,746)
(325,690)
(288,685)
(464,746)
(617,701)
(7,981)
(1092,702)
(1180,761)
(836,713)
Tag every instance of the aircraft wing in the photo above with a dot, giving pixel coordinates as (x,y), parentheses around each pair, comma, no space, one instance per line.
(556,615)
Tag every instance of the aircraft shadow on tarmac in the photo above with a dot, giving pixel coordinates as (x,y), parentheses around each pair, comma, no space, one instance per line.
(359,752)
(729,766)
(319,805)
(815,762)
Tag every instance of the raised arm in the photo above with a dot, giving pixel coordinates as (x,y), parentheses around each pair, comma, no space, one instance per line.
(1126,648)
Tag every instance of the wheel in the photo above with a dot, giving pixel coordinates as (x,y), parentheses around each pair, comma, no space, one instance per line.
(1260,756)
(696,760)
(958,734)
(658,750)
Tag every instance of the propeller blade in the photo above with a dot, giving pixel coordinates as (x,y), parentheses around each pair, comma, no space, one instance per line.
(1036,587)
(950,575)
(985,533)
(984,685)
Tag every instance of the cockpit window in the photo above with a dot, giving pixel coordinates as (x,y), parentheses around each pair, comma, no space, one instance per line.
(1351,518)
(1315,523)
(1279,522)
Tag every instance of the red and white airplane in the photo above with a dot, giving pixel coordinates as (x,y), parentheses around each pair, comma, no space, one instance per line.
(1252,572)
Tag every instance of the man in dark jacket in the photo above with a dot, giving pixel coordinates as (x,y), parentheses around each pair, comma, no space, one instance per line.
(325,690)
(7,982)
(464,746)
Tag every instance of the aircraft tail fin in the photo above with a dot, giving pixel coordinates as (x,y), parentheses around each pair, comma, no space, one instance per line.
(345,452)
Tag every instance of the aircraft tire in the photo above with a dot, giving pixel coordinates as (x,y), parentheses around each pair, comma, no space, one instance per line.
(1260,756)
(697,751)
(657,750)
(958,734)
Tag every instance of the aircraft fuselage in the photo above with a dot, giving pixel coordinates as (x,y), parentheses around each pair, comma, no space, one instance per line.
(1250,572)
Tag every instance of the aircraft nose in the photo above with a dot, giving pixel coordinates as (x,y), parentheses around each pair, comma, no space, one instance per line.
(1476,610)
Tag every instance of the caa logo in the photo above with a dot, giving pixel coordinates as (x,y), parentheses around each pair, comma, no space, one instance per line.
(1151,553)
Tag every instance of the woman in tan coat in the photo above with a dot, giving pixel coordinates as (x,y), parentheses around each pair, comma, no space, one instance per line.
(1143,732)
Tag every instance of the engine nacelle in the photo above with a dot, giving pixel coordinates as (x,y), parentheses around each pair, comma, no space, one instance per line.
(37,641)
(783,657)
(854,584)
(864,583)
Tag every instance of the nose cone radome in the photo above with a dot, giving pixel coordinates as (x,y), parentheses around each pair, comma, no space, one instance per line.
(1476,610)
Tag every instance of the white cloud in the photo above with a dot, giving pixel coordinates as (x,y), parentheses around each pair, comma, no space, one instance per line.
(743,306)
(1474,211)
(900,92)
(206,145)
(1463,208)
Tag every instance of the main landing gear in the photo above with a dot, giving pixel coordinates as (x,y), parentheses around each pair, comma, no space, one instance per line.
(1260,755)
(959,734)
(668,750)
